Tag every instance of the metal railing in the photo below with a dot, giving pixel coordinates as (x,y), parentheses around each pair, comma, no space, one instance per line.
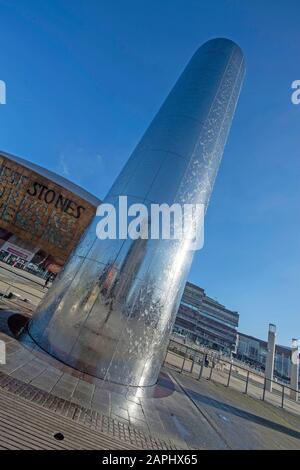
(200,364)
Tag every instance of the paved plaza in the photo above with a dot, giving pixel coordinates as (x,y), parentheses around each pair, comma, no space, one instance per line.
(41,397)
(179,412)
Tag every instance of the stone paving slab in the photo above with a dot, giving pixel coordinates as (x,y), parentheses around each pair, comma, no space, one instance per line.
(47,379)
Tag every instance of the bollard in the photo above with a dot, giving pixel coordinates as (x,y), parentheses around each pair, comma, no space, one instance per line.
(183,363)
(264,392)
(192,365)
(201,368)
(247,381)
(229,375)
(282,397)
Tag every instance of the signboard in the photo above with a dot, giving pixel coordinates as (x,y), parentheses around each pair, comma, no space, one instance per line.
(18,251)
(39,211)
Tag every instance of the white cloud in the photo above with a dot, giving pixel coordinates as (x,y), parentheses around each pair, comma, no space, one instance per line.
(62,164)
(100,159)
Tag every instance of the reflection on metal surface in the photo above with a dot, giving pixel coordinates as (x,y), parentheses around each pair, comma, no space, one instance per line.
(113,306)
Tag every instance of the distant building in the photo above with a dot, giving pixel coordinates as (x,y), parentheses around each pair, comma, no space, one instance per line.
(254,351)
(205,321)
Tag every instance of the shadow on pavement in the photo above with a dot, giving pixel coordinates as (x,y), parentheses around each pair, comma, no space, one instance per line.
(198,397)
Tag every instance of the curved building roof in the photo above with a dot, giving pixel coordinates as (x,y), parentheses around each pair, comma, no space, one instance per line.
(60,180)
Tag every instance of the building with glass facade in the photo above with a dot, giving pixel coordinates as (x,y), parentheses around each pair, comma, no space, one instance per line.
(254,351)
(205,321)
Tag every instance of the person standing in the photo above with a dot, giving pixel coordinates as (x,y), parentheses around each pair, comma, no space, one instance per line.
(48,278)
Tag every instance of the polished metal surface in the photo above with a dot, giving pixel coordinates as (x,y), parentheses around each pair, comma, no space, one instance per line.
(112,308)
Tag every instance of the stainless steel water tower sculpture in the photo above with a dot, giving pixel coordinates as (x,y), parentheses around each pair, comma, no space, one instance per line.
(112,308)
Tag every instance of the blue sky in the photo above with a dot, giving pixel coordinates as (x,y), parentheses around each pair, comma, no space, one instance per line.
(84,79)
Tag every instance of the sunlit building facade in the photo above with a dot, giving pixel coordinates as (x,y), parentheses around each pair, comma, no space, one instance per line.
(204,321)
(254,351)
